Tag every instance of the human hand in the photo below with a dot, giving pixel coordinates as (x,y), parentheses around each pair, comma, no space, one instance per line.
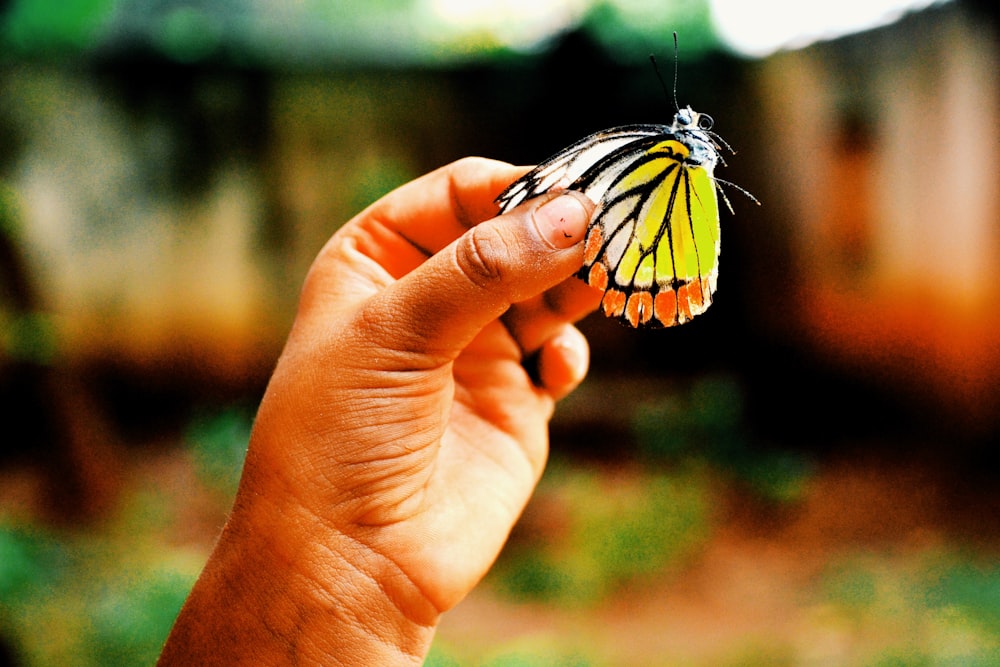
(404,427)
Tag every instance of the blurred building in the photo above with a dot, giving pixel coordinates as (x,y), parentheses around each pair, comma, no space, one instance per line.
(879,157)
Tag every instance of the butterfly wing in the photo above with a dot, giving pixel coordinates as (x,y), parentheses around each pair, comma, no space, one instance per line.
(564,169)
(652,245)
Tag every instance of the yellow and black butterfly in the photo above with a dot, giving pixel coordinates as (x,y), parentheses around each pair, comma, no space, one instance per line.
(652,245)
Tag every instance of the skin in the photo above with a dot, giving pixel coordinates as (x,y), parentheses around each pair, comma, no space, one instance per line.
(403,430)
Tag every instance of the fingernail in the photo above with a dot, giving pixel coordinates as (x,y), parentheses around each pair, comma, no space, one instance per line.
(562,221)
(573,348)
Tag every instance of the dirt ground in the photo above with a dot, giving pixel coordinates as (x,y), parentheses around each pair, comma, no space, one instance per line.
(752,594)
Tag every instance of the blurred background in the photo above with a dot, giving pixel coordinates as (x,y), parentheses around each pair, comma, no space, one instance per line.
(805,475)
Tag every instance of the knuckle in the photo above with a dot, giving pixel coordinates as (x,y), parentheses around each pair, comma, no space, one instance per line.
(480,255)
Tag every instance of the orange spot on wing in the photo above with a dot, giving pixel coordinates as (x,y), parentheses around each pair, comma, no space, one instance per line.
(639,308)
(696,295)
(593,246)
(684,303)
(598,277)
(666,307)
(614,303)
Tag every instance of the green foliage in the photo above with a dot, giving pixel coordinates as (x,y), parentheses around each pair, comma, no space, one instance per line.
(930,606)
(440,656)
(705,424)
(615,532)
(105,599)
(28,337)
(188,34)
(108,594)
(550,658)
(705,421)
(970,587)
(633,30)
(537,651)
(53,26)
(129,623)
(10,216)
(376,179)
(218,443)
(346,29)
(934,609)
(29,559)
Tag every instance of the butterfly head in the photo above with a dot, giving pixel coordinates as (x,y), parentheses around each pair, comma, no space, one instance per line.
(694,130)
(687,119)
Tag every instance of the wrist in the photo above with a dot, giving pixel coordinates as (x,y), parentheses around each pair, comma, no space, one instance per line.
(282,586)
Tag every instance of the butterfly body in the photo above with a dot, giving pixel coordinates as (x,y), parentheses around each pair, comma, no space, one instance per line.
(652,245)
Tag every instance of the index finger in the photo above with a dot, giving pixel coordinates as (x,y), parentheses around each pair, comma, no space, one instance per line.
(418,219)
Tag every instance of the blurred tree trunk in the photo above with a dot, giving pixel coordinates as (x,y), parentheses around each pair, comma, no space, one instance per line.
(48,417)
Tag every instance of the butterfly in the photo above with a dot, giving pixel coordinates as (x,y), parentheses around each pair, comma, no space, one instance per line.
(652,245)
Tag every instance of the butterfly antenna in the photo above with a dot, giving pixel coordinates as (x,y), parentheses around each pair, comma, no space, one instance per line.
(663,84)
(676,65)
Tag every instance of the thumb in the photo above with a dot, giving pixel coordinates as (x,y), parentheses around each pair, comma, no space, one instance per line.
(440,306)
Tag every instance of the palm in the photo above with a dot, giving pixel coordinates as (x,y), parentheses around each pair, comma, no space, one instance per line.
(444,444)
(442,464)
(454,500)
